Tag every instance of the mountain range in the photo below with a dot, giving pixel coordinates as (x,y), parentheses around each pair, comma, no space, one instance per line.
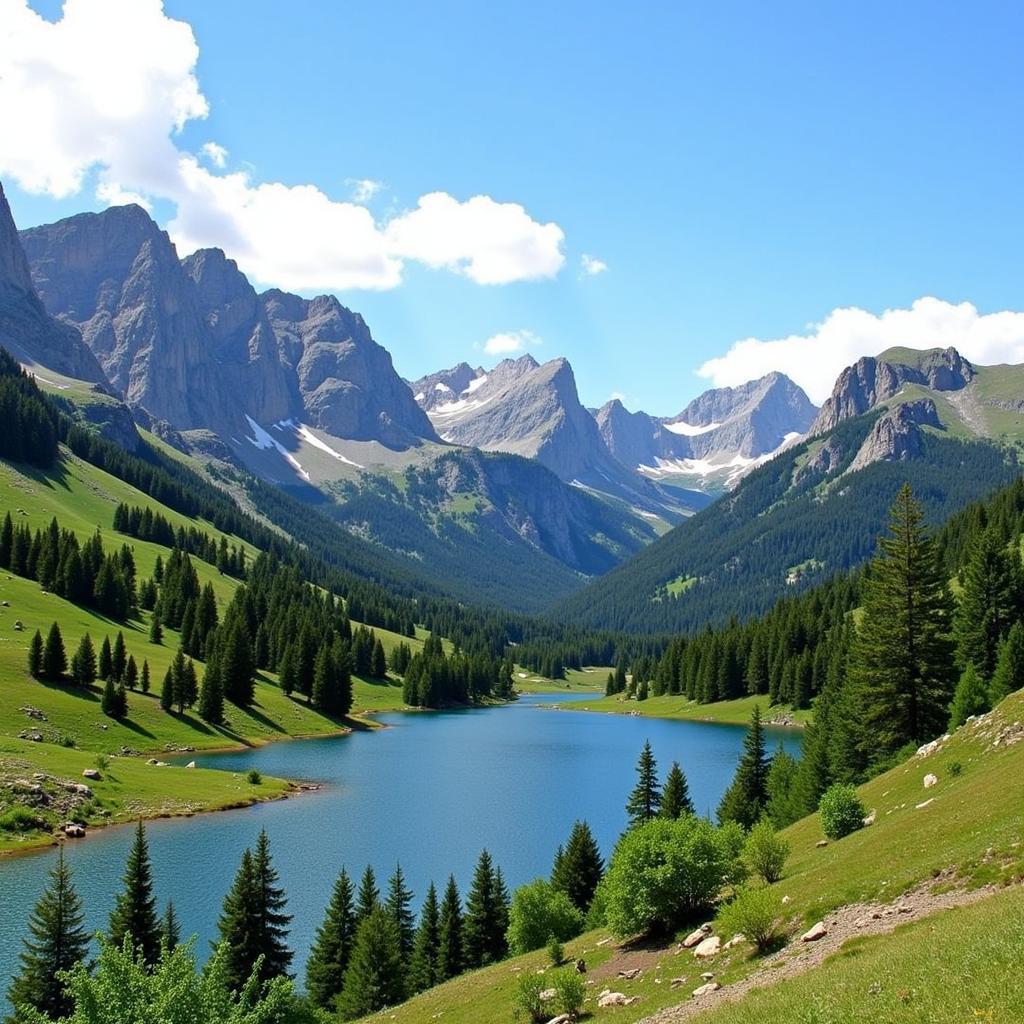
(499,480)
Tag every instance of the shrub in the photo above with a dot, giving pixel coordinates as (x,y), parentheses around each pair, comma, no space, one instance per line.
(755,913)
(102,762)
(765,851)
(540,913)
(528,1002)
(954,768)
(667,870)
(841,811)
(570,990)
(19,819)
(556,952)
(253,777)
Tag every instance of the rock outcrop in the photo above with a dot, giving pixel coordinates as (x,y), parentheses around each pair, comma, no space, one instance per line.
(896,434)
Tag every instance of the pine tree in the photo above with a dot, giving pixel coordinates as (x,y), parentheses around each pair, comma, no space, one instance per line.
(989,602)
(747,796)
(484,935)
(144,680)
(170,930)
(423,971)
(83,662)
(108,702)
(332,948)
(104,669)
(578,869)
(118,658)
(134,912)
(58,942)
(675,797)
(156,630)
(272,921)
(397,904)
(379,663)
(35,656)
(971,697)
(645,800)
(55,659)
(368,897)
(1009,673)
(451,956)
(238,925)
(902,656)
(167,690)
(375,976)
(211,700)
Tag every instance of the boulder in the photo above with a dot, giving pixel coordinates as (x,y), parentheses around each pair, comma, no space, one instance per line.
(818,931)
(90,773)
(191,764)
(707,976)
(870,819)
(930,780)
(83,790)
(609,998)
(629,975)
(693,938)
(676,982)
(581,966)
(73,830)
(708,947)
(562,1018)
(706,989)
(821,842)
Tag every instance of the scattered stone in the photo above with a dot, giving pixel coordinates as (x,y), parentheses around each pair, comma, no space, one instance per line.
(562,1018)
(609,998)
(604,942)
(736,940)
(786,900)
(694,937)
(818,931)
(706,990)
(930,780)
(676,982)
(191,764)
(18,627)
(74,831)
(821,842)
(924,803)
(581,966)
(870,819)
(708,948)
(707,976)
(629,975)
(90,773)
(82,790)
(547,993)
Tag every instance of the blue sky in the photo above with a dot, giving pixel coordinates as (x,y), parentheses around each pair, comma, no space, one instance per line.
(743,169)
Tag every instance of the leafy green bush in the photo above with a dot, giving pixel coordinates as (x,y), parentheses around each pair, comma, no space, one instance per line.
(570,990)
(754,913)
(556,952)
(667,870)
(19,819)
(954,768)
(540,913)
(254,778)
(841,811)
(528,1002)
(765,852)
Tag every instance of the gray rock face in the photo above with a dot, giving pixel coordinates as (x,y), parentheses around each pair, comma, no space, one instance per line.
(747,421)
(896,434)
(347,382)
(444,386)
(116,276)
(873,380)
(26,329)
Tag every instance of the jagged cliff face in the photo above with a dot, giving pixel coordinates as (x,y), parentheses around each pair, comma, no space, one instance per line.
(730,428)
(26,329)
(347,381)
(872,380)
(895,435)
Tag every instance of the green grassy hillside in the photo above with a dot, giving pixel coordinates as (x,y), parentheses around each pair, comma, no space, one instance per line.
(966,831)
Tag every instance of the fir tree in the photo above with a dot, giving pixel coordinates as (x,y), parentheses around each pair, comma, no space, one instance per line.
(211,700)
(450,956)
(273,921)
(55,659)
(989,602)
(375,976)
(144,679)
(747,796)
(83,662)
(57,943)
(902,657)
(118,658)
(170,930)
(156,630)
(645,800)
(369,895)
(379,663)
(578,869)
(104,666)
(332,947)
(397,904)
(131,673)
(238,926)
(167,691)
(1009,674)
(675,797)
(108,702)
(35,656)
(423,971)
(971,697)
(134,912)
(484,934)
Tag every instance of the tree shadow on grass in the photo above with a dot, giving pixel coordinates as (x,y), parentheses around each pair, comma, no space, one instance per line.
(86,693)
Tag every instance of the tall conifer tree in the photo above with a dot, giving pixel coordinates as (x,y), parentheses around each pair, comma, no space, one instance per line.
(423,971)
(134,912)
(332,948)
(645,800)
(451,955)
(747,796)
(675,797)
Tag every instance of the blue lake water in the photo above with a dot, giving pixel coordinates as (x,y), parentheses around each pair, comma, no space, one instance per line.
(430,791)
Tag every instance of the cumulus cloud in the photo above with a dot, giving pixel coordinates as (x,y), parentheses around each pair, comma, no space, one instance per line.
(74,99)
(509,342)
(591,265)
(816,358)
(216,154)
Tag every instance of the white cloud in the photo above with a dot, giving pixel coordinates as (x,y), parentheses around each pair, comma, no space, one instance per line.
(74,98)
(508,342)
(364,189)
(591,265)
(815,359)
(216,154)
